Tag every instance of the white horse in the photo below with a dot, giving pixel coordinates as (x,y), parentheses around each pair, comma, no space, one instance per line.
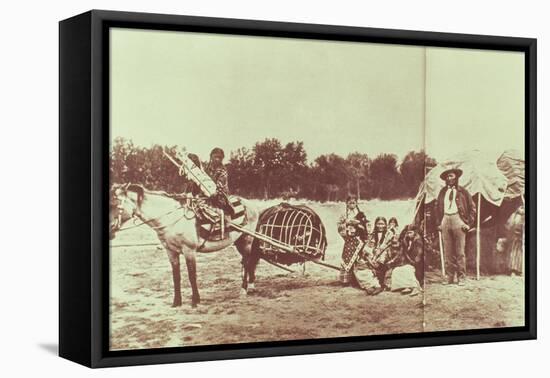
(176,229)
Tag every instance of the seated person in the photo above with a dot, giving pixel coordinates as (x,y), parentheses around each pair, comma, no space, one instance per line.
(387,259)
(398,264)
(217,171)
(380,238)
(393,226)
(414,245)
(365,273)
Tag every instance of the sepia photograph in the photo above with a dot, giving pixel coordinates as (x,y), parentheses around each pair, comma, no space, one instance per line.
(272,189)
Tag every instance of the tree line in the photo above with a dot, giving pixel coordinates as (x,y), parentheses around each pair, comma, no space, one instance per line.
(271,169)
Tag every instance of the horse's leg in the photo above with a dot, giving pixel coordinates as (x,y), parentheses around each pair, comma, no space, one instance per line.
(174,258)
(244,245)
(252,265)
(192,274)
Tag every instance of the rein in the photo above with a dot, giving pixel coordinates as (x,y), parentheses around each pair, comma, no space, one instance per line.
(186,209)
(156,219)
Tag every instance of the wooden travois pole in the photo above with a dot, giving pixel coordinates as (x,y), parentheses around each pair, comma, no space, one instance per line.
(278,244)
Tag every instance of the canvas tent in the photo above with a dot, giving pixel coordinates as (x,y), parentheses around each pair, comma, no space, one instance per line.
(512,164)
(481,177)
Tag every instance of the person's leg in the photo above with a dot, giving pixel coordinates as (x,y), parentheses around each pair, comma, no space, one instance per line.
(381,276)
(368,281)
(461,252)
(460,242)
(419,272)
(448,247)
(387,279)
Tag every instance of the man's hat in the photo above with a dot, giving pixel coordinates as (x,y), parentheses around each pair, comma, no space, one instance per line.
(456,171)
(217,151)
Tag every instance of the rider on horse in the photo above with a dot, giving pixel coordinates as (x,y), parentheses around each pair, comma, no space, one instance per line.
(217,171)
(213,206)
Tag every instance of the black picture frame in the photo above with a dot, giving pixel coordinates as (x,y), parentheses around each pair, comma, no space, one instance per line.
(84,179)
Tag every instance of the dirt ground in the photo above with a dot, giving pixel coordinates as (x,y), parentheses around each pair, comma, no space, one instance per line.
(287,306)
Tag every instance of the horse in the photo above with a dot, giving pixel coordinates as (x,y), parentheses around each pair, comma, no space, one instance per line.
(175,225)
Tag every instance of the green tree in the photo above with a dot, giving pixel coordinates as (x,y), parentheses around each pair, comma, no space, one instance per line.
(413,168)
(332,174)
(384,177)
(269,164)
(358,168)
(242,176)
(269,170)
(294,167)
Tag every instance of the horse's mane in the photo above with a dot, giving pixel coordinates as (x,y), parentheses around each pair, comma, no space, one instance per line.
(163,193)
(136,188)
(159,192)
(141,191)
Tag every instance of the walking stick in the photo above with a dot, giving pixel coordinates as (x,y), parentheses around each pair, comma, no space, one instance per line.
(478,235)
(441,254)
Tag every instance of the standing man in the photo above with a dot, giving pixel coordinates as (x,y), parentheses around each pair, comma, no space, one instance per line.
(217,171)
(455,215)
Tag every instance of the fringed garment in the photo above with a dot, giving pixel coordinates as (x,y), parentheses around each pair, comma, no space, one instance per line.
(350,254)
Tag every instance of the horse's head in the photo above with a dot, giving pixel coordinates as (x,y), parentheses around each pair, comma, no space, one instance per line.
(123,205)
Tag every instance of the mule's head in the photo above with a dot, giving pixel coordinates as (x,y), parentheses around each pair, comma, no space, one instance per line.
(123,205)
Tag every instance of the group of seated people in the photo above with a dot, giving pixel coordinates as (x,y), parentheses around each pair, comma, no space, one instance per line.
(379,258)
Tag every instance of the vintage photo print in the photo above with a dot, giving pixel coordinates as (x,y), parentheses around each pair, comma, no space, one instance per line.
(274,189)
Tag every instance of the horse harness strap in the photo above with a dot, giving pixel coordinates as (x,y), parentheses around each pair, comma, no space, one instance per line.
(156,219)
(213,223)
(210,220)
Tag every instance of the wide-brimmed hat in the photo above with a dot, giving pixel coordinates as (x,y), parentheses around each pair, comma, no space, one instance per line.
(456,171)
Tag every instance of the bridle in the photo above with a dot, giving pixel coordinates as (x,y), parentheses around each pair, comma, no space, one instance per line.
(188,213)
(121,202)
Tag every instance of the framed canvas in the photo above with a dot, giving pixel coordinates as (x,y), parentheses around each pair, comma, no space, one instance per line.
(235,188)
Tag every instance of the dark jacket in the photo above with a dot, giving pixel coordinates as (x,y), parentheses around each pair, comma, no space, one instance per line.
(464,203)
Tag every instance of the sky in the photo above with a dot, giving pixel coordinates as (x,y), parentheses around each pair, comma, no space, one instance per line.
(205,90)
(474,101)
